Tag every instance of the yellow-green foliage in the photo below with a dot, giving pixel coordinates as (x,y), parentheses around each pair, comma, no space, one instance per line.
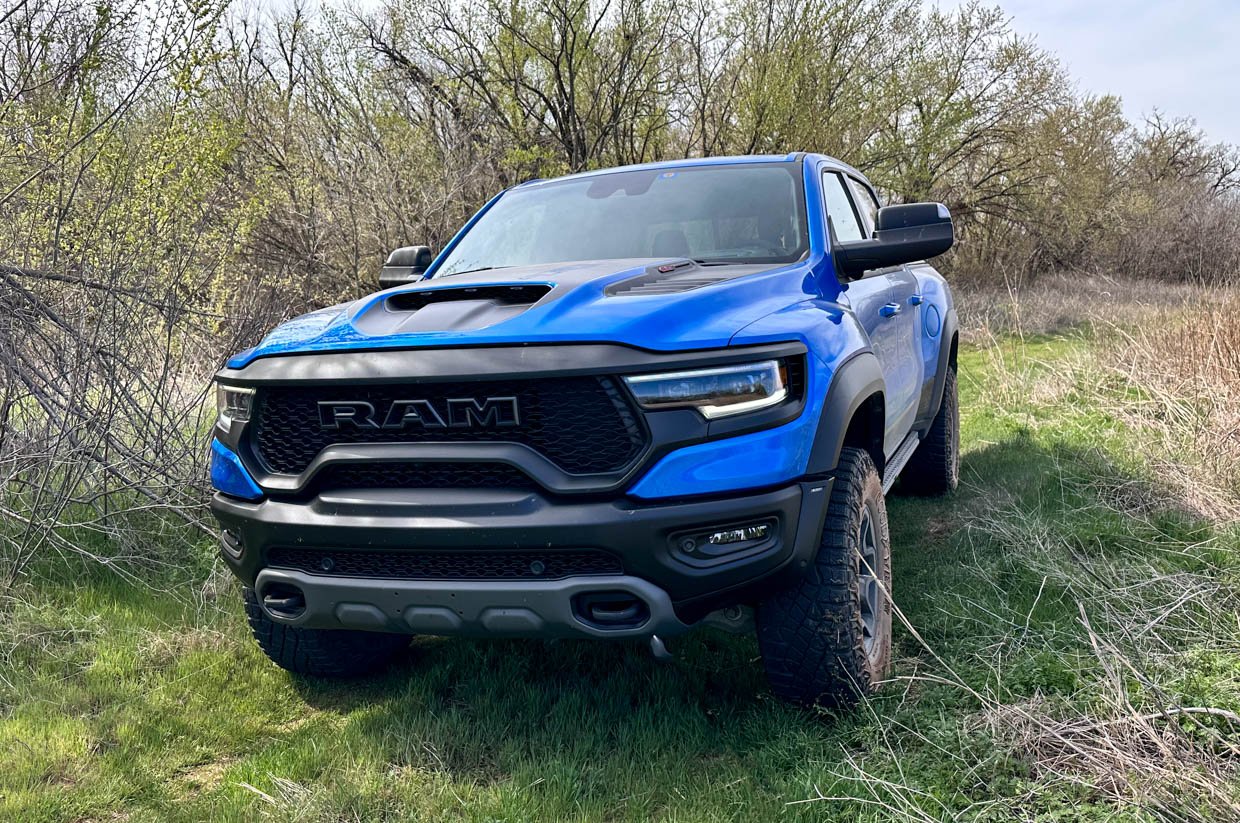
(265,163)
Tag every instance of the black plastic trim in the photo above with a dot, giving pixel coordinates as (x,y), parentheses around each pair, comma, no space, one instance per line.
(951,326)
(858,379)
(520,294)
(678,277)
(465,363)
(545,609)
(474,520)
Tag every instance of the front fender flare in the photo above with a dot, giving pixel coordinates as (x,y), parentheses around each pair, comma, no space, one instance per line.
(855,381)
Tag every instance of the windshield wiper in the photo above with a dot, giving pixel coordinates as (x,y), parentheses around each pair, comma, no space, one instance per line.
(480,268)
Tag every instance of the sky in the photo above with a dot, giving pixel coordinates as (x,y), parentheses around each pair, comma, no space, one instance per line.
(1179,56)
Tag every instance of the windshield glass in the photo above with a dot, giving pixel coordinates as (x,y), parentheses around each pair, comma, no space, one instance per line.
(744,213)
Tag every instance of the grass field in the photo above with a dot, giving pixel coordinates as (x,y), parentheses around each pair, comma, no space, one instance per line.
(1068,649)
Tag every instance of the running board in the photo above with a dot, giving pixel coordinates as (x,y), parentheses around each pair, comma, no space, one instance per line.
(899,460)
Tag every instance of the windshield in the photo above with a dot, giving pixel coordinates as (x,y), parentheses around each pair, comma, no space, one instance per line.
(743,213)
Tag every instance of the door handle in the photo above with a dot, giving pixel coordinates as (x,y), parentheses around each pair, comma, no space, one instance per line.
(890,310)
(916,300)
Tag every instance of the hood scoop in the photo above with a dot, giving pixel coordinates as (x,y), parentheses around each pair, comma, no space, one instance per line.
(460,308)
(525,294)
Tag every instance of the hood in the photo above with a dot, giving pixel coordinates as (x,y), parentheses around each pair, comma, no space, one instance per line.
(655,304)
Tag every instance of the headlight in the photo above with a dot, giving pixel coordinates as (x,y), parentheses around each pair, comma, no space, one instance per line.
(233,403)
(717,392)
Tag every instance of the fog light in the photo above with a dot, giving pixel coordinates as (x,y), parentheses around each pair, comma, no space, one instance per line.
(757,531)
(706,546)
(232,543)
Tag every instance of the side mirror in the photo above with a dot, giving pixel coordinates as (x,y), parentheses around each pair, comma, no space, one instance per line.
(902,234)
(405,265)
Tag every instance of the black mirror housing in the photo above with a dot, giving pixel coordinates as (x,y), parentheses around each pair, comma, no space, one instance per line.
(902,234)
(405,265)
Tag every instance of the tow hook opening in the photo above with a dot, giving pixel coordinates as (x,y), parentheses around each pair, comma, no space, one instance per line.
(611,610)
(284,600)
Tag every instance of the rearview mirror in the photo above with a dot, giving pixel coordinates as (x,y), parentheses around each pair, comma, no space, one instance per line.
(902,234)
(405,265)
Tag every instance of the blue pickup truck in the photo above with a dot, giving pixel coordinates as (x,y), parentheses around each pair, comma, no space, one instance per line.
(619,404)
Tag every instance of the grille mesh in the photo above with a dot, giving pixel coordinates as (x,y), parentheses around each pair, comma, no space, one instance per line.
(582,424)
(421,476)
(440,565)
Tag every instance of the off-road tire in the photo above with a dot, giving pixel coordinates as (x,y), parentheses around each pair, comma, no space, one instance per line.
(935,467)
(320,652)
(813,636)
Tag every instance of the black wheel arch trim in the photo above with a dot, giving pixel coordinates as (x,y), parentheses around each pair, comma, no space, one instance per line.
(951,328)
(857,380)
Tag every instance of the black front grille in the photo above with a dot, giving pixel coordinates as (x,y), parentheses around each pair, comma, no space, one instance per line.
(443,565)
(377,475)
(582,424)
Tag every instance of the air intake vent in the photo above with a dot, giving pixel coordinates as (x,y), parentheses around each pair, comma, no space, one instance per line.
(522,295)
(378,475)
(447,565)
(672,279)
(668,286)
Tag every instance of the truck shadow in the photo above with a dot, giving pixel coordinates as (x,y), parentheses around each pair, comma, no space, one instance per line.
(485,709)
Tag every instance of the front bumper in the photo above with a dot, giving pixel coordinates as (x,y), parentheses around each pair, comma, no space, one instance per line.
(676,589)
(472,608)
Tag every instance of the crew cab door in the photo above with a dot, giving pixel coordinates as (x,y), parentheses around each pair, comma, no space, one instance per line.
(886,304)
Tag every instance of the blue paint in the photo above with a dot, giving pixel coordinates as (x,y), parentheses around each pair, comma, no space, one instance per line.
(766,458)
(934,321)
(803,301)
(703,318)
(229,476)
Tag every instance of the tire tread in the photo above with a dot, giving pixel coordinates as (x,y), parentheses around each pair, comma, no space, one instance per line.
(810,636)
(320,652)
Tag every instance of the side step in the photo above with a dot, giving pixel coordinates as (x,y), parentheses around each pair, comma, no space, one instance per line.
(899,460)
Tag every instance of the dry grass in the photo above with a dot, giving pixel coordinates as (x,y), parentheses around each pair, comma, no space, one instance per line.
(1165,361)
(1132,759)
(1065,302)
(1185,374)
(1153,383)
(1145,616)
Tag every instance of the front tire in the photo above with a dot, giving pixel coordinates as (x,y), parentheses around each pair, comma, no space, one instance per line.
(320,652)
(826,641)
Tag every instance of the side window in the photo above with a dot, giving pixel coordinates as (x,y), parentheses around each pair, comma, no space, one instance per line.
(840,209)
(866,204)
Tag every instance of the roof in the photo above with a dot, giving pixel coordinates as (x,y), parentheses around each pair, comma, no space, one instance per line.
(698,161)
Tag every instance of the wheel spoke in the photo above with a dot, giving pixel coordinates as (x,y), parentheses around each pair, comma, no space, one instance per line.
(868,590)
